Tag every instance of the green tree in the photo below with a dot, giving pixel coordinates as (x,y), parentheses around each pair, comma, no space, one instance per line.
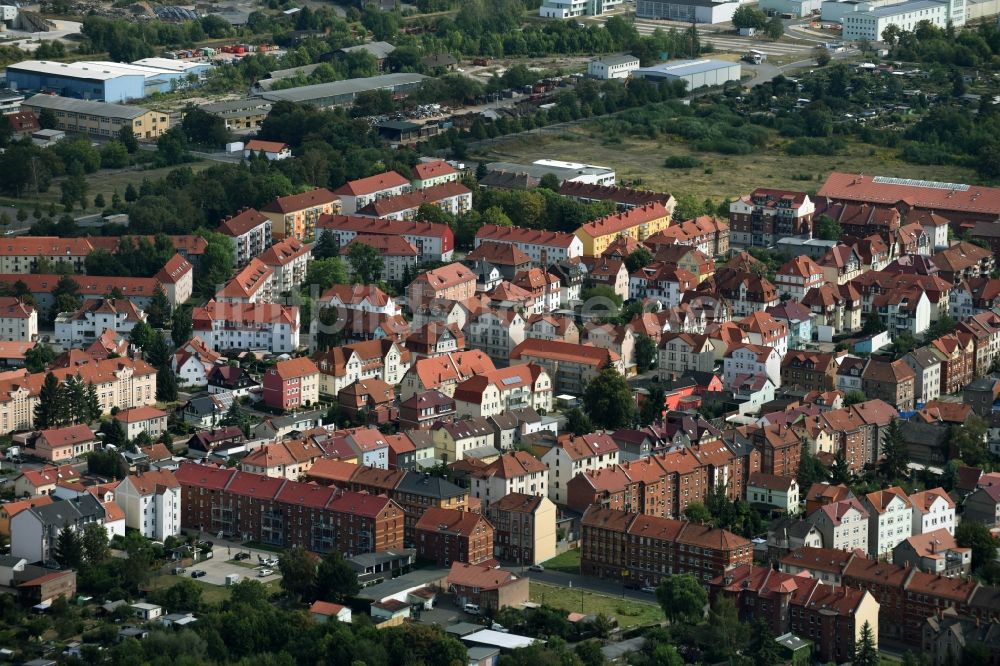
(578,423)
(728,637)
(854,397)
(651,409)
(38,357)
(127,138)
(589,652)
(683,598)
(336,580)
(141,335)
(217,263)
(550,181)
(366,263)
(95,543)
(822,55)
(873,324)
(975,535)
(747,16)
(204,128)
(638,259)
(958,86)
(897,456)
(131,194)
(48,410)
(69,548)
(496,216)
(325,247)
(762,649)
(608,400)
(99,201)
(826,228)
(839,471)
(181,326)
(159,308)
(166,384)
(47,119)
(298,572)
(969,441)
(697,512)
(865,652)
(324,273)
(811,470)
(775,28)
(645,353)
(114,434)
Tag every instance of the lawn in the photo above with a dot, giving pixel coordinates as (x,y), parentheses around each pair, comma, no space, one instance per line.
(628,612)
(568,562)
(720,176)
(210,594)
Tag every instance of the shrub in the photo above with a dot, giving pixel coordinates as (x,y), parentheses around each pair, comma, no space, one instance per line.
(681,162)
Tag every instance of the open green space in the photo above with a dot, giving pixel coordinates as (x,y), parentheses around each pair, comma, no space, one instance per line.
(628,612)
(210,594)
(568,562)
(719,176)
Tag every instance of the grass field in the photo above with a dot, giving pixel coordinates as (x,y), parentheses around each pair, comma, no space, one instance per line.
(568,562)
(210,594)
(720,176)
(629,613)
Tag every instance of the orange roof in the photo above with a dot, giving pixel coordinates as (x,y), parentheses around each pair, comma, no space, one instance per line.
(14,350)
(248,281)
(295,367)
(284,251)
(246,220)
(478,575)
(152,482)
(139,414)
(175,268)
(252,313)
(433,169)
(16,507)
(462,523)
(68,436)
(326,608)
(372,184)
(879,190)
(414,199)
(922,501)
(564,351)
(113,512)
(296,202)
(617,222)
(265,146)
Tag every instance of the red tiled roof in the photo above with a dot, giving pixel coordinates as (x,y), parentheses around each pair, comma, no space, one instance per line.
(387,246)
(68,436)
(617,222)
(462,523)
(204,476)
(284,251)
(372,184)
(478,575)
(433,169)
(152,481)
(265,146)
(242,223)
(564,351)
(851,187)
(414,199)
(297,202)
(492,232)
(295,367)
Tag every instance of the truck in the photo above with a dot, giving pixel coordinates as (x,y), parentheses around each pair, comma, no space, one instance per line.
(232,579)
(754,56)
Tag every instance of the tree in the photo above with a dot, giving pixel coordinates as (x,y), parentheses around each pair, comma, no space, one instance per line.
(166,384)
(298,572)
(335,579)
(811,470)
(958,87)
(48,411)
(640,258)
(873,324)
(865,653)
(896,454)
(204,128)
(366,263)
(141,335)
(496,216)
(645,353)
(95,543)
(325,247)
(727,636)
(853,397)
(969,441)
(683,598)
(114,434)
(763,649)
(608,400)
(47,119)
(697,512)
(217,262)
(578,423)
(99,201)
(131,194)
(589,652)
(159,308)
(324,273)
(127,138)
(747,16)
(839,471)
(550,181)
(826,228)
(822,55)
(775,28)
(93,403)
(38,357)
(181,326)
(651,409)
(975,535)
(69,548)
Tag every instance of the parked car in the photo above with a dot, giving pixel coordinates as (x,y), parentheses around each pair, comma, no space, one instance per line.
(472,609)
(177,571)
(499,627)
(242,556)
(198,573)
(264,573)
(536,567)
(649,590)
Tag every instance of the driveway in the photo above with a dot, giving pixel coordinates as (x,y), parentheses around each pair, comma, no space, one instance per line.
(222,564)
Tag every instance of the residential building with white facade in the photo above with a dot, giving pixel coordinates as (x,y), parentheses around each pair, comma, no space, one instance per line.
(932,510)
(137,420)
(357,194)
(926,366)
(340,367)
(152,503)
(542,247)
(289,259)
(798,276)
(251,234)
(255,326)
(779,492)
(192,362)
(433,241)
(890,518)
(74,329)
(843,524)
(868,22)
(525,386)
(517,472)
(564,9)
(18,320)
(747,359)
(574,455)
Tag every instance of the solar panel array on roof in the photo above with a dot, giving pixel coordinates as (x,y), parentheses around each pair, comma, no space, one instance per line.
(507,381)
(887,180)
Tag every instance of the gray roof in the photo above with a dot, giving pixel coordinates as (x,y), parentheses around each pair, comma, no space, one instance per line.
(236,105)
(8,94)
(413,579)
(418,483)
(539,170)
(103,109)
(688,67)
(378,49)
(293,71)
(618,59)
(10,560)
(70,511)
(927,434)
(365,560)
(982,384)
(204,404)
(480,452)
(924,357)
(904,7)
(463,629)
(505,421)
(345,87)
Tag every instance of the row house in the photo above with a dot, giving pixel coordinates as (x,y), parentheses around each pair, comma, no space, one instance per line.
(618,339)
(872,284)
(284,513)
(433,241)
(854,432)
(507,258)
(495,332)
(432,172)
(544,288)
(809,370)
(861,220)
(516,472)
(572,455)
(904,310)
(841,264)
(523,386)
(779,448)
(151,502)
(639,223)
(571,366)
(836,310)
(751,360)
(797,276)
(453,198)
(661,282)
(288,459)
(984,330)
(619,546)
(973,296)
(443,373)
(251,327)
(193,361)
(367,298)
(251,234)
(745,291)
(452,282)
(706,233)
(926,367)
(20,254)
(90,320)
(691,259)
(400,257)
(831,617)
(444,536)
(680,353)
(423,410)
(524,528)
(890,381)
(957,358)
(254,283)
(139,291)
(873,252)
(912,238)
(373,359)
(766,215)
(624,198)
(289,259)
(962,261)
(356,194)
(296,215)
(543,248)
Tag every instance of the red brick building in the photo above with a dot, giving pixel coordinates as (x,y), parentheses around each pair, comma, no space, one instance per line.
(448,535)
(643,550)
(287,513)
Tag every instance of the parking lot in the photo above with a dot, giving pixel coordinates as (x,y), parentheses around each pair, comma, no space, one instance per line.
(222,564)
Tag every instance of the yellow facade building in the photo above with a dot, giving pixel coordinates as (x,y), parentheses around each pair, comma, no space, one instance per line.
(639,223)
(99,119)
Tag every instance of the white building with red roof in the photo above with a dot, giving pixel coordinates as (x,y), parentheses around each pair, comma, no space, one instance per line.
(752,360)
(177,279)
(18,321)
(933,509)
(149,420)
(434,242)
(443,373)
(433,172)
(574,455)
(542,247)
(452,282)
(453,198)
(289,259)
(361,298)
(765,216)
(56,444)
(93,318)
(798,276)
(265,326)
(193,361)
(35,482)
(152,503)
(251,234)
(516,472)
(525,386)
(890,516)
(272,150)
(357,194)
(254,283)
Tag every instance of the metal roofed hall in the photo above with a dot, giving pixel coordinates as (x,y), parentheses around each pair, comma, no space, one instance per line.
(344,92)
(102,109)
(617,59)
(501,640)
(400,584)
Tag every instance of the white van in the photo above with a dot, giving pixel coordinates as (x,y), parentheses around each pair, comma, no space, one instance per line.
(472,609)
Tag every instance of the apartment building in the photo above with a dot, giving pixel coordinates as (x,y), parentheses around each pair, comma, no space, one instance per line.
(933,509)
(452,282)
(357,194)
(254,283)
(524,528)
(251,234)
(289,459)
(296,215)
(453,198)
(18,320)
(289,259)
(572,455)
(151,502)
(445,372)
(287,513)
(855,431)
(890,518)
(400,257)
(638,223)
(542,247)
(797,276)
(766,215)
(517,472)
(254,326)
(433,242)
(432,172)
(571,366)
(74,329)
(444,536)
(373,359)
(523,386)
(892,382)
(291,384)
(149,420)
(843,524)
